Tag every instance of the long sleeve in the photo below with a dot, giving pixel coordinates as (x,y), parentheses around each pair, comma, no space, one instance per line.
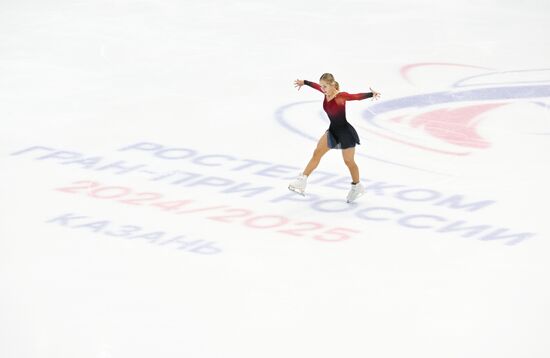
(355,96)
(313,85)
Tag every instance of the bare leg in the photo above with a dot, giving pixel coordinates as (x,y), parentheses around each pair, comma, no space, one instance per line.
(318,153)
(348,155)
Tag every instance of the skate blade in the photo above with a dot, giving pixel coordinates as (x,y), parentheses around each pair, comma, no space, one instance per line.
(296,191)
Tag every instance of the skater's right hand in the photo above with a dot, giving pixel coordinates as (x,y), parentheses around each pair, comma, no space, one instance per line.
(299,84)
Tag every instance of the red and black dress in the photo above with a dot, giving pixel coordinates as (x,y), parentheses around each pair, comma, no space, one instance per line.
(341,134)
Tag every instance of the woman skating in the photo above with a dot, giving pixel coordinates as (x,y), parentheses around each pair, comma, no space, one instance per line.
(339,135)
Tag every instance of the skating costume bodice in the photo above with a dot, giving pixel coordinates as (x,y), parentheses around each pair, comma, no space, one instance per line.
(336,107)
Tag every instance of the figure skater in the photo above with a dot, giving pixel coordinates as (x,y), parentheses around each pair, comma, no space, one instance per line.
(339,135)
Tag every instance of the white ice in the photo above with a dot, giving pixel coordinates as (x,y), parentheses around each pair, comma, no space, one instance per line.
(147,146)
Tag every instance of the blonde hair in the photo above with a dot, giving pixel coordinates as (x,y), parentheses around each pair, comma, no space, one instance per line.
(329,78)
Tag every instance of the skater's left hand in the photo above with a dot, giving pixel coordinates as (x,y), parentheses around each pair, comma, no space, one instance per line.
(375,95)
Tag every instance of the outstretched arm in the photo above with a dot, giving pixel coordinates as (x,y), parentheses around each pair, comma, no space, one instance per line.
(360,96)
(355,96)
(311,84)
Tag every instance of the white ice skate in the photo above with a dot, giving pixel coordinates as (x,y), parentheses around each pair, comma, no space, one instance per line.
(299,185)
(356,191)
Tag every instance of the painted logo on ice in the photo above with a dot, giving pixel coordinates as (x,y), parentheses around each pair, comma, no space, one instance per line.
(441,129)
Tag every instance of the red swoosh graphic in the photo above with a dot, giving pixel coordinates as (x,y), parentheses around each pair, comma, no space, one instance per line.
(406,69)
(456,126)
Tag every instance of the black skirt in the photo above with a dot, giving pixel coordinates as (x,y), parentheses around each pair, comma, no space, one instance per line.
(342,137)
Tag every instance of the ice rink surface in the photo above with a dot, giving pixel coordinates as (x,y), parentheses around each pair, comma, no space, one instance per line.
(147,147)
